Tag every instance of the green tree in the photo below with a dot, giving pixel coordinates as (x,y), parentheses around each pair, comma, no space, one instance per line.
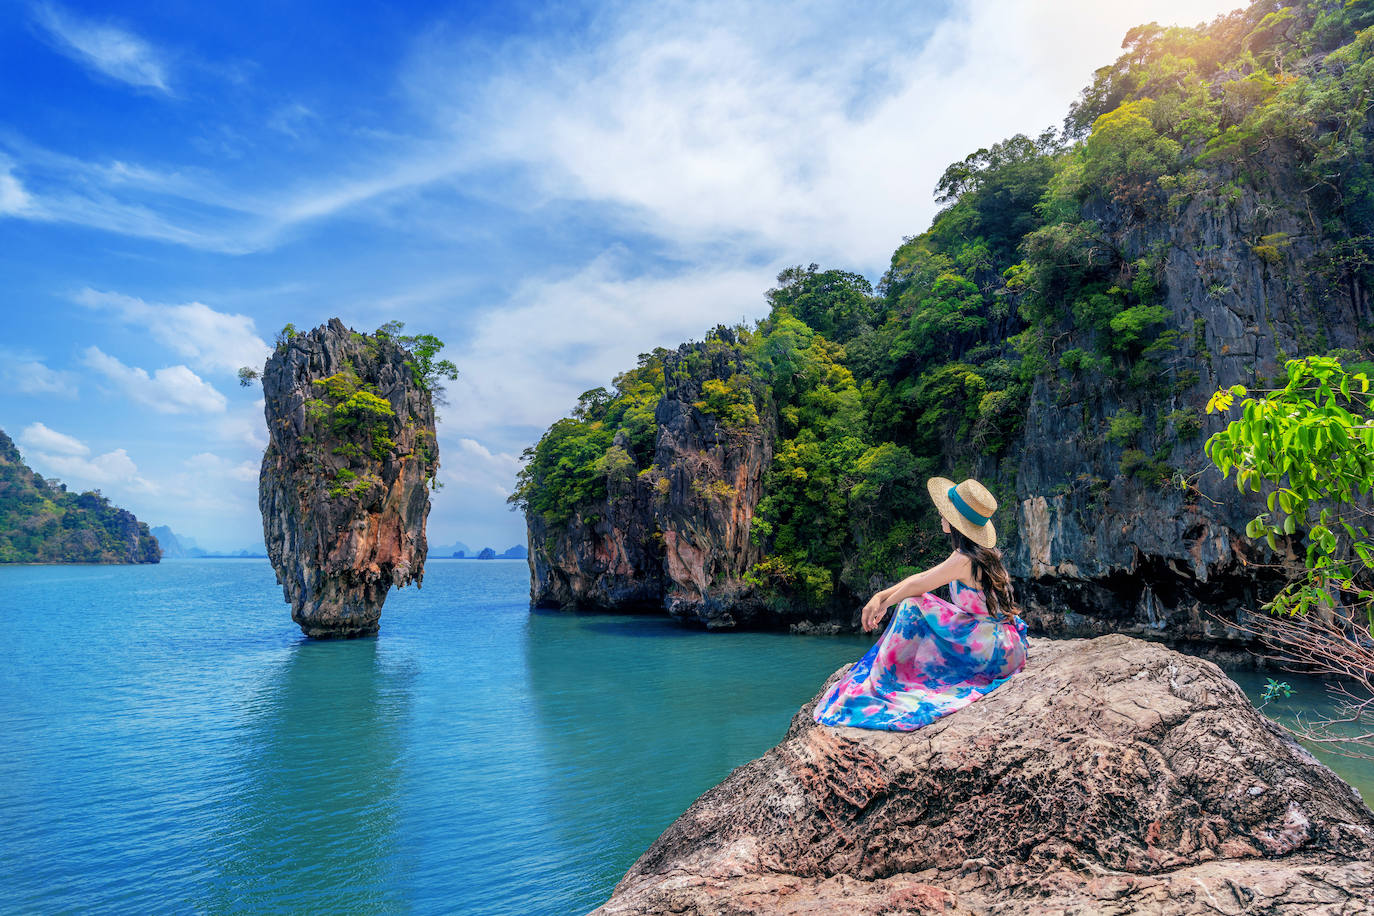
(1309,446)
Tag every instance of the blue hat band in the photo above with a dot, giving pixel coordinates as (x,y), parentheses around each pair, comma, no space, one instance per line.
(965,509)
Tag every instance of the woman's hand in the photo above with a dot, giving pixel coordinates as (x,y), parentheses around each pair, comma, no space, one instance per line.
(874,611)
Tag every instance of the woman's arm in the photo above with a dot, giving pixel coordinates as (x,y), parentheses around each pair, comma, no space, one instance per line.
(955,566)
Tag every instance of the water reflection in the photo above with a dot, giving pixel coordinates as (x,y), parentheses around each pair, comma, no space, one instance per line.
(659,711)
(312,823)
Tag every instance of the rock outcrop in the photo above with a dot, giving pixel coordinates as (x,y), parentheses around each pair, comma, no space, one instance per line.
(677,537)
(1111,776)
(344,488)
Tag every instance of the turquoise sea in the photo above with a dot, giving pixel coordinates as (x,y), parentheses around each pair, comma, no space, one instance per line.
(172,744)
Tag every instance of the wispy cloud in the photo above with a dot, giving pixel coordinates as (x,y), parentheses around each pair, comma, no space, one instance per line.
(14,200)
(210,339)
(818,132)
(106,48)
(175,389)
(27,374)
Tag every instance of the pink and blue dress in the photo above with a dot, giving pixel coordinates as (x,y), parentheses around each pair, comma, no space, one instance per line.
(935,656)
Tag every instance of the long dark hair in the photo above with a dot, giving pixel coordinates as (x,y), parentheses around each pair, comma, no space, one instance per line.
(989,574)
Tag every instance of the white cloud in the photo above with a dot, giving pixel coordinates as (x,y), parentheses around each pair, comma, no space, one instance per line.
(175,389)
(23,373)
(469,465)
(41,438)
(108,49)
(244,425)
(211,339)
(14,200)
(212,465)
(528,360)
(816,139)
(115,467)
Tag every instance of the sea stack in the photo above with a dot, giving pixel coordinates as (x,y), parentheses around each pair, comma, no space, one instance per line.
(344,487)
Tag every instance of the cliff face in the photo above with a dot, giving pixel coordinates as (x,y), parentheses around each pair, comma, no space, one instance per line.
(1057,333)
(1096,549)
(344,483)
(1111,776)
(675,536)
(41,522)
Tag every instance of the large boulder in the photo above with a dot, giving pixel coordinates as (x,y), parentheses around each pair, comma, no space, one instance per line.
(344,487)
(1111,776)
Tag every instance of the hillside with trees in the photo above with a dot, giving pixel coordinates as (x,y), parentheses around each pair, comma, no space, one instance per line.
(42,522)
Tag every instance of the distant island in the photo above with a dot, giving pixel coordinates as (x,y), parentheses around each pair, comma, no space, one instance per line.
(41,522)
(518,552)
(180,547)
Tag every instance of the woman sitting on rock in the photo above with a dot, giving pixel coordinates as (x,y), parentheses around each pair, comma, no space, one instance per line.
(937,656)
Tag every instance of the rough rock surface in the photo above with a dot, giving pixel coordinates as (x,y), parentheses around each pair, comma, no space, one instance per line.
(1111,776)
(675,538)
(1096,550)
(344,492)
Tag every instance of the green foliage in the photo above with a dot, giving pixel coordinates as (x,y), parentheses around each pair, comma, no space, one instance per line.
(285,336)
(731,402)
(1310,444)
(1187,422)
(1123,158)
(834,303)
(1273,690)
(1269,248)
(566,474)
(41,522)
(1124,427)
(423,350)
(347,407)
(1150,470)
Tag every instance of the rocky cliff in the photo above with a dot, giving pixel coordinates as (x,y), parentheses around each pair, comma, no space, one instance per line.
(674,535)
(1099,545)
(344,487)
(41,522)
(1111,776)
(1056,333)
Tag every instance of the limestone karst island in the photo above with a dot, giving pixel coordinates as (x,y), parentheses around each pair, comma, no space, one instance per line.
(936,445)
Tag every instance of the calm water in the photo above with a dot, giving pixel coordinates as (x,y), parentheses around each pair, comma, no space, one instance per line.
(173,745)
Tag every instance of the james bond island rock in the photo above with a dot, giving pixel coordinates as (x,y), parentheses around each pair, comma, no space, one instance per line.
(1111,776)
(41,522)
(1057,333)
(344,489)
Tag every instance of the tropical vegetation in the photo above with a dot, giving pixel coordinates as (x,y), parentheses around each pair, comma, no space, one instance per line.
(41,521)
(1044,272)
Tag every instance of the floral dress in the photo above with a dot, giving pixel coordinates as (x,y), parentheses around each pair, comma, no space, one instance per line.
(936,656)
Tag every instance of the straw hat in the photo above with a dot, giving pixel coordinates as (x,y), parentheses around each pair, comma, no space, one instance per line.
(968,507)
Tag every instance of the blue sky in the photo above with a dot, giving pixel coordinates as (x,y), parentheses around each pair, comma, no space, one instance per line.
(551,189)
